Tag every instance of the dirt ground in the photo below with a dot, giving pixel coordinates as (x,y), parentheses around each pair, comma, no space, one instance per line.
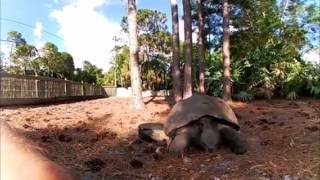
(96,140)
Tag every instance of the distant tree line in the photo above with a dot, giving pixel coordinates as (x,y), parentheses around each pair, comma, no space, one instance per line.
(47,61)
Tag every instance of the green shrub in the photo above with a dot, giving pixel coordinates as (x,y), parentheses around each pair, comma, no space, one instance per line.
(292,95)
(244,96)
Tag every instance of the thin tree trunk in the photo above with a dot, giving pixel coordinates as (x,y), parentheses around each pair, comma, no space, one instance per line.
(226,53)
(187,84)
(175,52)
(115,76)
(121,78)
(134,66)
(201,47)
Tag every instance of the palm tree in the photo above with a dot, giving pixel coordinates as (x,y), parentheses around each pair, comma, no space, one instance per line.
(226,53)
(175,52)
(201,46)
(134,66)
(187,84)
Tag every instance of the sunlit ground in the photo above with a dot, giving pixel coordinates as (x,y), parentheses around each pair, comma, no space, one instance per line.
(95,139)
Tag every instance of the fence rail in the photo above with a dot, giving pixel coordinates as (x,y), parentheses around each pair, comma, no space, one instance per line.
(126,92)
(21,89)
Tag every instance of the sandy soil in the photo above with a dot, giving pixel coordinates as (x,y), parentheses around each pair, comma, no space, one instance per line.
(96,140)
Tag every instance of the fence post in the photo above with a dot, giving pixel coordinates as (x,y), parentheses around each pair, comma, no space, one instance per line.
(92,89)
(37,87)
(82,88)
(65,87)
(45,88)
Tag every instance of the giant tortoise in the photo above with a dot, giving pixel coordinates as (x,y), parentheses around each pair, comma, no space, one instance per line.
(200,120)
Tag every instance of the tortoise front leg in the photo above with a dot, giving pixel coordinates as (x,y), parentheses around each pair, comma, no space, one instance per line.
(179,143)
(233,140)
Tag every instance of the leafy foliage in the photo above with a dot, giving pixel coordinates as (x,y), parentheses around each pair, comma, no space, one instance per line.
(266,48)
(292,95)
(16,38)
(154,74)
(89,73)
(22,56)
(148,21)
(55,63)
(312,77)
(244,96)
(155,48)
(48,61)
(119,73)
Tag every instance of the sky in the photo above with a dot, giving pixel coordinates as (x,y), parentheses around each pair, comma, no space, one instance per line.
(84,28)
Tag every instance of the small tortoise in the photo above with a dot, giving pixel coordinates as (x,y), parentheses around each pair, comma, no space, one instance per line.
(201,120)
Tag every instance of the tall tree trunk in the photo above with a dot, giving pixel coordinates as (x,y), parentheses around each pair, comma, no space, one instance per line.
(175,52)
(187,84)
(201,47)
(226,53)
(134,66)
(115,76)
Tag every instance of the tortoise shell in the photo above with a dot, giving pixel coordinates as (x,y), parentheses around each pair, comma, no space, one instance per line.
(197,106)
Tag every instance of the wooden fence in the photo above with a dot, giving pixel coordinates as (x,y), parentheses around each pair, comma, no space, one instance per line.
(126,92)
(111,91)
(20,89)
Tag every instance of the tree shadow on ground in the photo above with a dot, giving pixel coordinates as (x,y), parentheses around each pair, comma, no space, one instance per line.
(164,100)
(90,152)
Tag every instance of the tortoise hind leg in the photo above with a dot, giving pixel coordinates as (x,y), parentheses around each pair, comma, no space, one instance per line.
(233,140)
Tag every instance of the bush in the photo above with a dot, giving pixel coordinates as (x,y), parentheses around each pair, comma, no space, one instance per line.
(244,96)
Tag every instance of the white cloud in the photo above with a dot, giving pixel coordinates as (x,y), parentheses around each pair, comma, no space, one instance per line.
(312,56)
(87,33)
(39,43)
(5,50)
(38,29)
(38,32)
